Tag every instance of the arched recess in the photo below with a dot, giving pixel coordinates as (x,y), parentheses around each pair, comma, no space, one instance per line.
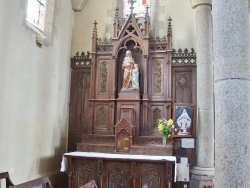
(133,44)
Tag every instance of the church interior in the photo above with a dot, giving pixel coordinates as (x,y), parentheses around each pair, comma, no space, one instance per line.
(125,94)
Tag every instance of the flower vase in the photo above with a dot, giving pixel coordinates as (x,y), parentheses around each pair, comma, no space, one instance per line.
(164,140)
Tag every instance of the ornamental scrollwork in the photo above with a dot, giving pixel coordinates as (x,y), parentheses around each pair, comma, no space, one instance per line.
(104,45)
(103,77)
(158,77)
(81,60)
(102,117)
(184,57)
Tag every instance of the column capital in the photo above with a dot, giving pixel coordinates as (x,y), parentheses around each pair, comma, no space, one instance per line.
(196,3)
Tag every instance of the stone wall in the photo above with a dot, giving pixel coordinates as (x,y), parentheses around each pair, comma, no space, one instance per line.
(103,12)
(34,82)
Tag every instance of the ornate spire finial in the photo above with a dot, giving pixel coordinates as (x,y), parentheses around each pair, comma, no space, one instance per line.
(95,23)
(95,29)
(94,37)
(169,26)
(116,23)
(132,6)
(169,20)
(169,33)
(116,13)
(147,12)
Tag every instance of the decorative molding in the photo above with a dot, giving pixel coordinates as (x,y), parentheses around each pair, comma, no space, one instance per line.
(159,150)
(158,40)
(84,175)
(196,3)
(78,5)
(104,45)
(151,179)
(184,57)
(158,77)
(103,77)
(107,139)
(102,118)
(81,60)
(158,44)
(104,41)
(117,178)
(95,148)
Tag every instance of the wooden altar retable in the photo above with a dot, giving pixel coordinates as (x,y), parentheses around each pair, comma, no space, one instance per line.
(122,123)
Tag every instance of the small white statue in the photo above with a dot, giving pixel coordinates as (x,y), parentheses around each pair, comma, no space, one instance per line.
(184,123)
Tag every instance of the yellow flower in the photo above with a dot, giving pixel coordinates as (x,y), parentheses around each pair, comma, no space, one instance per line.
(166,127)
(171,121)
(160,127)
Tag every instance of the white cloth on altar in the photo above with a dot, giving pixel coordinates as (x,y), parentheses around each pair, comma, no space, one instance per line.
(116,156)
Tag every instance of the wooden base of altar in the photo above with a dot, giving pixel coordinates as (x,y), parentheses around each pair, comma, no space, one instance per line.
(119,170)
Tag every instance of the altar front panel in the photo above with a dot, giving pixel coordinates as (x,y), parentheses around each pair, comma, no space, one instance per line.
(123,171)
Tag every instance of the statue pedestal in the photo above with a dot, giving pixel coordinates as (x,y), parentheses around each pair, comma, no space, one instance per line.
(129,95)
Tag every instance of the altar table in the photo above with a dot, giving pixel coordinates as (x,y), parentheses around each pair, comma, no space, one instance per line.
(119,170)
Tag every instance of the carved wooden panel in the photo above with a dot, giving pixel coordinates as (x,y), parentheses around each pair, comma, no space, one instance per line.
(126,173)
(129,110)
(103,77)
(84,175)
(82,171)
(150,178)
(103,81)
(79,104)
(117,174)
(101,120)
(158,110)
(128,114)
(184,84)
(117,178)
(151,175)
(158,77)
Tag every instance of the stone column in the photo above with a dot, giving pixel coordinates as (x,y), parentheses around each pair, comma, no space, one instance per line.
(203,173)
(232,91)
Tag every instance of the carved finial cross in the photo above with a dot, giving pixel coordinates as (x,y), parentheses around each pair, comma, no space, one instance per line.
(95,23)
(169,19)
(132,6)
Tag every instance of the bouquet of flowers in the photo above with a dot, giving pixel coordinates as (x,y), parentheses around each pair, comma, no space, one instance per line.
(166,128)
